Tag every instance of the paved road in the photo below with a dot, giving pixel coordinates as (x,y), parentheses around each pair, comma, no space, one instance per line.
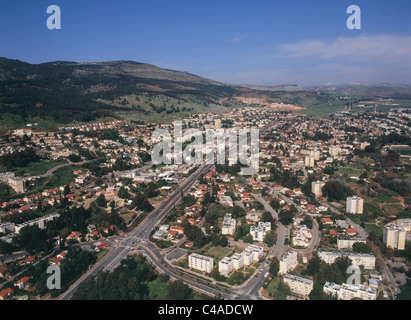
(141,232)
(51,170)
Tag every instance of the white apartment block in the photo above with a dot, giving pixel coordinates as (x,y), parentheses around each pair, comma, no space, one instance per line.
(347,243)
(238,260)
(357,259)
(315,153)
(16,183)
(394,236)
(316,188)
(199,262)
(40,222)
(249,255)
(225,266)
(334,150)
(355,204)
(349,291)
(258,232)
(309,161)
(299,285)
(229,225)
(288,262)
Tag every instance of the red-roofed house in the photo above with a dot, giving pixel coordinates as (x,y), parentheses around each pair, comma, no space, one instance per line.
(179,230)
(22,283)
(326,220)
(351,231)
(6,293)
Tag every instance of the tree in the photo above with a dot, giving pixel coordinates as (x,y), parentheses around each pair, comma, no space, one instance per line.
(313,266)
(336,190)
(74,158)
(286,217)
(151,190)
(308,222)
(275,204)
(123,193)
(361,247)
(66,190)
(32,239)
(140,202)
(270,238)
(274,267)
(267,217)
(178,290)
(101,200)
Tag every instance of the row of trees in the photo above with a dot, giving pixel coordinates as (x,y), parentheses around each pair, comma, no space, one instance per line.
(19,159)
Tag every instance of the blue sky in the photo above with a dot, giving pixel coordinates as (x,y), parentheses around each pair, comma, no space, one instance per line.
(266,42)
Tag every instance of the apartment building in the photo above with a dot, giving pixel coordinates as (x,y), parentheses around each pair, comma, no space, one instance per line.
(347,243)
(249,255)
(40,222)
(288,262)
(358,259)
(394,236)
(334,150)
(199,262)
(355,204)
(258,232)
(316,188)
(349,291)
(229,225)
(309,161)
(299,285)
(225,266)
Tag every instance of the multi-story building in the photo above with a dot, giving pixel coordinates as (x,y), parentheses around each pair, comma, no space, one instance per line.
(334,150)
(299,285)
(309,161)
(258,232)
(349,291)
(199,262)
(40,222)
(225,266)
(358,259)
(394,236)
(16,183)
(288,262)
(238,260)
(316,188)
(249,255)
(355,204)
(228,225)
(347,243)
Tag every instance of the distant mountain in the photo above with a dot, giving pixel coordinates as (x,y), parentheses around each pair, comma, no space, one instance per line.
(284,87)
(387,90)
(69,91)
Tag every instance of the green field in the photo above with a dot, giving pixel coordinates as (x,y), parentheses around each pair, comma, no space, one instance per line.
(34,168)
(371,227)
(218,252)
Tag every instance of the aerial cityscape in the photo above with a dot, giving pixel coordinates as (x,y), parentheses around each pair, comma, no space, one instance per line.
(171,180)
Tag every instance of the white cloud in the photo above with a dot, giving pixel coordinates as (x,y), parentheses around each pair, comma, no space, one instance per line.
(376,49)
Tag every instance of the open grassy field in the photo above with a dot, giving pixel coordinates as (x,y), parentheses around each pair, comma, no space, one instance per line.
(372,227)
(219,252)
(158,289)
(34,168)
